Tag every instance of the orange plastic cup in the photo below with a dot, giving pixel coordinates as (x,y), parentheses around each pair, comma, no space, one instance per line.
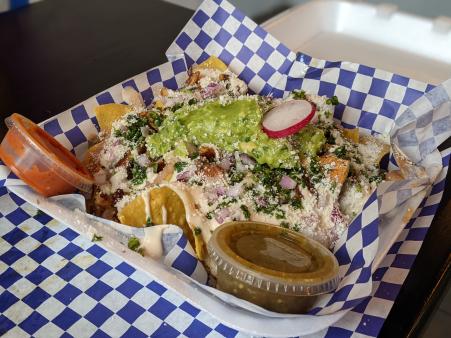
(40,160)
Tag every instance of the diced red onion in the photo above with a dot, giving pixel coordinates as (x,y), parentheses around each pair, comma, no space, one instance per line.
(220,191)
(142,160)
(246,159)
(184,176)
(211,90)
(225,164)
(287,182)
(221,215)
(234,190)
(261,202)
(336,216)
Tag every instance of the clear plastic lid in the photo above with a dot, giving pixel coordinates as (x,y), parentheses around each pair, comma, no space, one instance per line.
(274,259)
(41,161)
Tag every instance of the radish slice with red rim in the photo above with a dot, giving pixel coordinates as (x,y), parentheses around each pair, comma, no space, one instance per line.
(288,118)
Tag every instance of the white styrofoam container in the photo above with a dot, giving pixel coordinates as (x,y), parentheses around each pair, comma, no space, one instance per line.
(377,36)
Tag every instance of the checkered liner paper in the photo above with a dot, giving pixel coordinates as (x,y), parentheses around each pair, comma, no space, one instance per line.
(43,263)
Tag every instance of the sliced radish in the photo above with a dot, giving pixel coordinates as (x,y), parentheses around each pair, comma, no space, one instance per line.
(288,118)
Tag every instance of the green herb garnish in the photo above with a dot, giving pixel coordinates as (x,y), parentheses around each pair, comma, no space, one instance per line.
(139,173)
(134,244)
(296,203)
(96,238)
(246,211)
(176,107)
(236,177)
(197,231)
(340,152)
(299,95)
(39,212)
(133,133)
(179,166)
(333,100)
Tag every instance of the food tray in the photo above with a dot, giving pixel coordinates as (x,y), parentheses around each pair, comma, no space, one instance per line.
(67,129)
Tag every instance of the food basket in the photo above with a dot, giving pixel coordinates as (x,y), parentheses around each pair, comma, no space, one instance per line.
(371,99)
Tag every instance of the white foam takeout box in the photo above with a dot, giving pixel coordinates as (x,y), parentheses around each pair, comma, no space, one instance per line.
(377,36)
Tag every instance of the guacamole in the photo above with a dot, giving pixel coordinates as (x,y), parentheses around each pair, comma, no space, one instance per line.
(234,126)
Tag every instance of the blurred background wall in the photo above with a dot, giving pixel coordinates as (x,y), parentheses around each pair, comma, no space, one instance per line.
(262,9)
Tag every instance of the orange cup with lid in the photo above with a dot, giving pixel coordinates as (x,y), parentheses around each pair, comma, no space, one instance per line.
(40,160)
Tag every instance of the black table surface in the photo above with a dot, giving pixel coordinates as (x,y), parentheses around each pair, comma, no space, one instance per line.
(57,53)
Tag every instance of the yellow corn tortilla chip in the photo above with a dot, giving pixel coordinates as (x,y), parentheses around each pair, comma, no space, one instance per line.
(134,213)
(384,148)
(351,134)
(166,207)
(91,159)
(106,114)
(340,167)
(212,63)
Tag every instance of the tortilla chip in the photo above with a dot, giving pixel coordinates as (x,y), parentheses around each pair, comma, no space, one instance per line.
(212,63)
(134,213)
(351,134)
(91,159)
(106,114)
(339,167)
(167,207)
(384,148)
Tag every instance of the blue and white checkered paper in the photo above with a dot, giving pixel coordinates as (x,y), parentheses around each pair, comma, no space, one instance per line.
(370,99)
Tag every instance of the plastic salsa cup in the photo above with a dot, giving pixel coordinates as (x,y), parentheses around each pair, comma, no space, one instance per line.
(275,268)
(41,161)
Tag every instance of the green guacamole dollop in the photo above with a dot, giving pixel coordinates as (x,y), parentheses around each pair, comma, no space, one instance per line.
(233,126)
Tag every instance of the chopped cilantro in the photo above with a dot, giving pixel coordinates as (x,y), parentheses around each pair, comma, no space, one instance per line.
(299,95)
(197,231)
(193,156)
(39,212)
(279,214)
(156,117)
(133,133)
(286,225)
(358,187)
(315,171)
(340,152)
(315,168)
(96,238)
(333,185)
(236,177)
(179,166)
(139,173)
(246,212)
(149,221)
(333,100)
(134,244)
(176,106)
(296,203)
(377,178)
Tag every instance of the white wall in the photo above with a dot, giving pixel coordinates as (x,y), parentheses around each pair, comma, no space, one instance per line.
(263,8)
